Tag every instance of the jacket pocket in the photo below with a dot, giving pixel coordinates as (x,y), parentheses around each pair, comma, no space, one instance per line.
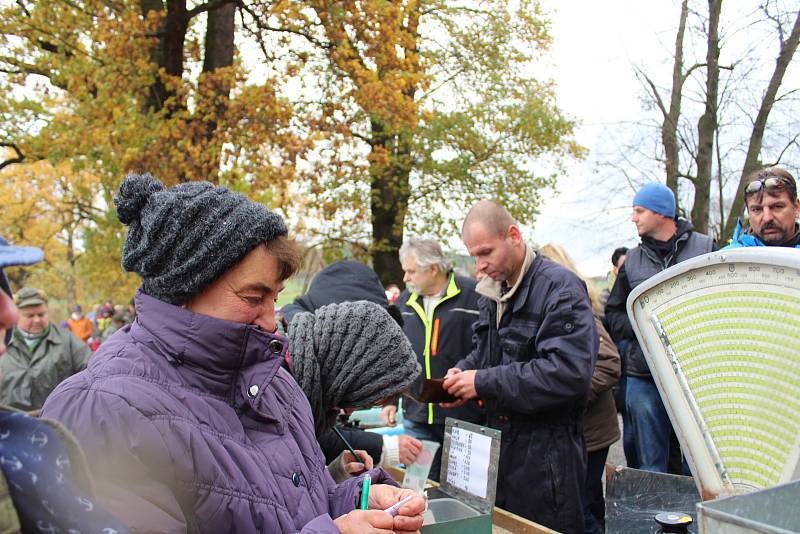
(517,341)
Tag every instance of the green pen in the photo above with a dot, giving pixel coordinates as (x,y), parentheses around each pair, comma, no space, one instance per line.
(365,484)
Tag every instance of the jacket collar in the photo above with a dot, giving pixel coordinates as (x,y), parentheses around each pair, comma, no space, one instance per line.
(744,236)
(214,348)
(51,337)
(494,290)
(450,291)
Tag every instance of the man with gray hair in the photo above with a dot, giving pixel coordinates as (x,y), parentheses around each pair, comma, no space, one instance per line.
(438,310)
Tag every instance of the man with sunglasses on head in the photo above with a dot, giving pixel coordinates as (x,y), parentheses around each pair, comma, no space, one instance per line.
(772,208)
(666,241)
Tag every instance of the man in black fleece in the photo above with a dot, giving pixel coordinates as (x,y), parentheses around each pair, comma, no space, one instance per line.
(666,241)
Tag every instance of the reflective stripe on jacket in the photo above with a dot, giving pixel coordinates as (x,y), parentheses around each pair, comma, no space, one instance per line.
(440,343)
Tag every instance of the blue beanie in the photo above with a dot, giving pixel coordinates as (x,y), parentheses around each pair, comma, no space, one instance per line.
(657,198)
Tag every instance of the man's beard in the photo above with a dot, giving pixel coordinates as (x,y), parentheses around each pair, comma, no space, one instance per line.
(775,239)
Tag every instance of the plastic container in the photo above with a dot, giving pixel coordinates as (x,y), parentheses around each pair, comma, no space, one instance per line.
(447,509)
(773,511)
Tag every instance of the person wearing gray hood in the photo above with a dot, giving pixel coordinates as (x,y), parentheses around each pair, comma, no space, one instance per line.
(348,356)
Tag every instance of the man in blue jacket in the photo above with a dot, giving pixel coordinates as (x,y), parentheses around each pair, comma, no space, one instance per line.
(536,347)
(770,196)
(438,310)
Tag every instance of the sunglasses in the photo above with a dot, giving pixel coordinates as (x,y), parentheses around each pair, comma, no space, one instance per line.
(773,183)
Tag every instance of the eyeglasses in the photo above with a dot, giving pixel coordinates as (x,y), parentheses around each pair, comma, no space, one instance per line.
(773,183)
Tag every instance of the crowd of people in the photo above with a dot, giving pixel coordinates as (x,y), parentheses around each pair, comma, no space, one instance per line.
(205,409)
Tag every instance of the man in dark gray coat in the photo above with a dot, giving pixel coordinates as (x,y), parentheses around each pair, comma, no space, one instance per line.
(532,366)
(666,241)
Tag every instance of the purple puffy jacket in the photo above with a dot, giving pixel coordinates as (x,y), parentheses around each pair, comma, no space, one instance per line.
(189,423)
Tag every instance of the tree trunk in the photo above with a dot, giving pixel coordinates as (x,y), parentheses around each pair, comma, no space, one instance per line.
(721,189)
(214,94)
(752,160)
(707,124)
(167,52)
(69,279)
(669,128)
(390,168)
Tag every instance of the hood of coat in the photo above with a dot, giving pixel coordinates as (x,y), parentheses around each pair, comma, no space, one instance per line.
(343,281)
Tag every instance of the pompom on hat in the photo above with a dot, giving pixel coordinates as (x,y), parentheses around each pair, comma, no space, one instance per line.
(183,238)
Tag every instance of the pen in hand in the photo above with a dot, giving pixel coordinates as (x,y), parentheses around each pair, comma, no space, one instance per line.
(356,456)
(365,484)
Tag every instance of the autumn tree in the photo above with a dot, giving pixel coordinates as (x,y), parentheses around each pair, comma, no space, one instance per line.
(144,85)
(363,119)
(49,207)
(420,107)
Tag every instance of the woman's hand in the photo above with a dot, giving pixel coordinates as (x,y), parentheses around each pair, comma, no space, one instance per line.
(355,466)
(409,517)
(365,522)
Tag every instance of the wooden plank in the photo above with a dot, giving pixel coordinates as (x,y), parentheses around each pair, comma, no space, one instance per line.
(503,522)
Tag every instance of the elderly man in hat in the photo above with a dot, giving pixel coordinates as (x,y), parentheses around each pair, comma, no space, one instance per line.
(39,355)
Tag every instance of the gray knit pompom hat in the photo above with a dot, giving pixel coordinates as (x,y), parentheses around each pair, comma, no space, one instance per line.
(183,238)
(349,355)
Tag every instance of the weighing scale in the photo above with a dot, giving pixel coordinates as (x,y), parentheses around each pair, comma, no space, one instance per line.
(721,333)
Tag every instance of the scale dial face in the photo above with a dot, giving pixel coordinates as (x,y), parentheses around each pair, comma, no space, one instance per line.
(721,334)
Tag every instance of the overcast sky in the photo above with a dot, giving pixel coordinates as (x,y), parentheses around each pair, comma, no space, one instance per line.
(596,45)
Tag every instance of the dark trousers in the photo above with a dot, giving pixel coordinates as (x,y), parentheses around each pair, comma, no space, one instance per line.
(542,473)
(594,505)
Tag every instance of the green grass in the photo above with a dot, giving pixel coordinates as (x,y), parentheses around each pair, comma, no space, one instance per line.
(292,288)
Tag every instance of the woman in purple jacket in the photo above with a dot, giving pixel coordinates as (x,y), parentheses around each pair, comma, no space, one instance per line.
(187,418)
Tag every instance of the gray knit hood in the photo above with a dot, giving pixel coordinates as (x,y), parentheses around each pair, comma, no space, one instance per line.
(349,355)
(183,238)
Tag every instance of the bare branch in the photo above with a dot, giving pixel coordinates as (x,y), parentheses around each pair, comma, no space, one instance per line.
(791,143)
(788,47)
(211,5)
(20,157)
(653,89)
